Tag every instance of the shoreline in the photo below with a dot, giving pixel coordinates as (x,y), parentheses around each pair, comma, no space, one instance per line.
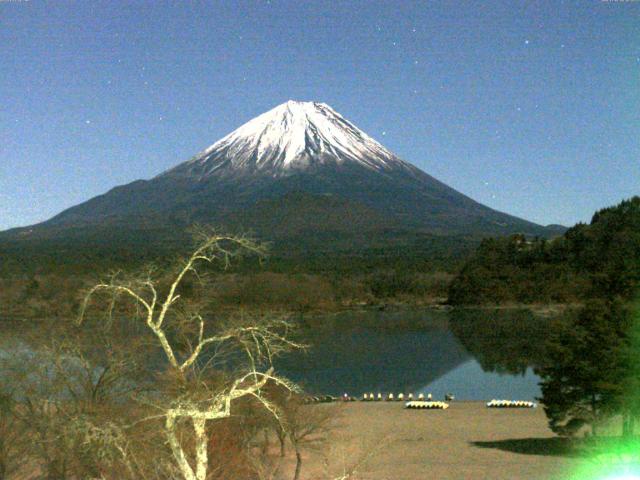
(541,309)
(467,440)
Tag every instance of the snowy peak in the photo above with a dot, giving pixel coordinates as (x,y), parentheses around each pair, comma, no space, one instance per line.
(299,173)
(292,136)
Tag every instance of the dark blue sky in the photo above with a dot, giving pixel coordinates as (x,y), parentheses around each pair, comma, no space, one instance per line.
(532,108)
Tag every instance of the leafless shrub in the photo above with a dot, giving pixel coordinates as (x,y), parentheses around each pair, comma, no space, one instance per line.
(193,403)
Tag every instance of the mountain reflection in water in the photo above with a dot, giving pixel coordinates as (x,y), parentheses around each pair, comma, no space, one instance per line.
(475,354)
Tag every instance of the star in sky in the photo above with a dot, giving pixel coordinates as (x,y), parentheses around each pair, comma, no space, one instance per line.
(424,93)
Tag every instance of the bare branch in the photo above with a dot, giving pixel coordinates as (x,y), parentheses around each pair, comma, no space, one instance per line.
(261,341)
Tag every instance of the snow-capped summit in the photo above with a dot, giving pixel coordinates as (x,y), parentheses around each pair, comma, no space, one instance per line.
(300,170)
(290,137)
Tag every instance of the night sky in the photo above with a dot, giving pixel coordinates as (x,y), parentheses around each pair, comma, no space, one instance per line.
(532,108)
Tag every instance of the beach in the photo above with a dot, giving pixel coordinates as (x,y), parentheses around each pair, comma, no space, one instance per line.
(466,441)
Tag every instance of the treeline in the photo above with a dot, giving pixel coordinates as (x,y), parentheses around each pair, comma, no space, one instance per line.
(588,369)
(79,253)
(54,296)
(597,259)
(590,373)
(40,278)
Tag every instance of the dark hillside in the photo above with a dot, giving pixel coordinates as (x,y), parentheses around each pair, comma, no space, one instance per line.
(595,260)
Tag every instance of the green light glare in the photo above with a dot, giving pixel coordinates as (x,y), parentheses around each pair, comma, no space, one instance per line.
(616,457)
(623,476)
(612,469)
(608,458)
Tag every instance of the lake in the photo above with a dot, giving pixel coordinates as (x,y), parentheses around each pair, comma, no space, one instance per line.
(474,354)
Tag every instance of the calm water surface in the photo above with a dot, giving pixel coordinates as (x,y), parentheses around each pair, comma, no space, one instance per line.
(476,355)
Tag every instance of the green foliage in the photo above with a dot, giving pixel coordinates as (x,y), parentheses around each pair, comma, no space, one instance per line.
(79,253)
(600,260)
(585,368)
(40,276)
(589,370)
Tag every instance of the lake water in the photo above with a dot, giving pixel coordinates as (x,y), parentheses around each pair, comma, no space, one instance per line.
(473,354)
(476,355)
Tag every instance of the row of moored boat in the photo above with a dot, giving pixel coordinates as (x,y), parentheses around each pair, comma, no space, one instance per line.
(421,402)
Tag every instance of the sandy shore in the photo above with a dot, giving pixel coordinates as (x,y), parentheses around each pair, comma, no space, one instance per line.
(466,441)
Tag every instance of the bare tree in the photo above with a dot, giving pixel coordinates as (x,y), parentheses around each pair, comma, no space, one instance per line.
(66,416)
(307,427)
(184,336)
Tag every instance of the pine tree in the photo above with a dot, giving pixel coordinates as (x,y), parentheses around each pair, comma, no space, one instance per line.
(585,371)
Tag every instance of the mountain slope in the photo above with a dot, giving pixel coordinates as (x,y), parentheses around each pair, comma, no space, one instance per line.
(298,169)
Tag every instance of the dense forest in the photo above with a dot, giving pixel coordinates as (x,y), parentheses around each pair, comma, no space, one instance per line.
(41,277)
(588,368)
(599,259)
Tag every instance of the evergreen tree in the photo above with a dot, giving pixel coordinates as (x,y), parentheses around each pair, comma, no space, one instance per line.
(599,260)
(585,370)
(629,388)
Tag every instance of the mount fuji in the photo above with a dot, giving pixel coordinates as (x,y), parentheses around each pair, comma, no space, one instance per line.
(294,136)
(300,170)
